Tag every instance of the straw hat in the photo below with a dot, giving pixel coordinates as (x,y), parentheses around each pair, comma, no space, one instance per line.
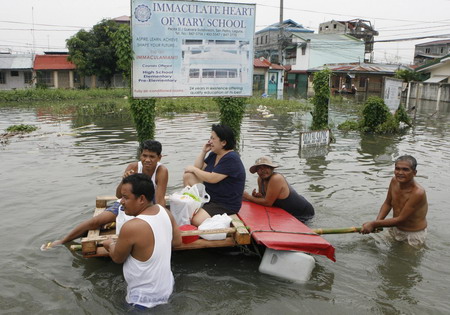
(265,160)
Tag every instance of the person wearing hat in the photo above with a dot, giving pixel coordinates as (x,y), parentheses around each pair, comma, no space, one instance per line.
(274,190)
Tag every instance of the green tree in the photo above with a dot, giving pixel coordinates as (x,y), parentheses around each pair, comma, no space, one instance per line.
(320,100)
(122,44)
(408,75)
(93,52)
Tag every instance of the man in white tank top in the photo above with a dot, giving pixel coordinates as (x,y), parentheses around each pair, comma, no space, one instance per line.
(148,164)
(144,244)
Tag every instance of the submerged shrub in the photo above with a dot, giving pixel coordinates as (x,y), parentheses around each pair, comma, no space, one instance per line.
(143,111)
(321,98)
(375,113)
(21,128)
(377,118)
(349,125)
(232,111)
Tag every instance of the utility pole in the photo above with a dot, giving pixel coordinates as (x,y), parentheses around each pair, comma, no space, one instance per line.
(280,36)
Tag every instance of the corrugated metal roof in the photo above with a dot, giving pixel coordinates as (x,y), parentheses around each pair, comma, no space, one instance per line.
(436,42)
(288,25)
(327,37)
(53,62)
(362,68)
(264,63)
(16,62)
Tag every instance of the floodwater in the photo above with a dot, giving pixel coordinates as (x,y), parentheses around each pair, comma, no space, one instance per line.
(49,181)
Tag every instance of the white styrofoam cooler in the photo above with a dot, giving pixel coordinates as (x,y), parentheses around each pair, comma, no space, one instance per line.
(290,265)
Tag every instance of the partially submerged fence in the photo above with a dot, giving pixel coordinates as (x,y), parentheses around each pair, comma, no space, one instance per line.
(419,92)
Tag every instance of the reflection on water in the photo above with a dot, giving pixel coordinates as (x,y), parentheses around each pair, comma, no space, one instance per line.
(399,271)
(50,180)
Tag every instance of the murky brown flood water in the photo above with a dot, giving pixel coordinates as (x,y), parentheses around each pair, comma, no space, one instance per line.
(49,181)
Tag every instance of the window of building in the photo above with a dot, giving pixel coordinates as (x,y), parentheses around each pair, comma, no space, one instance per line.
(427,50)
(193,42)
(194,73)
(257,40)
(258,83)
(334,26)
(2,78)
(442,50)
(44,78)
(14,73)
(27,77)
(362,82)
(225,42)
(208,73)
(267,39)
(304,50)
(76,77)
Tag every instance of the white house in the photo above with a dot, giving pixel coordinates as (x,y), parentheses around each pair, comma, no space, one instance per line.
(309,51)
(268,78)
(315,50)
(439,70)
(16,71)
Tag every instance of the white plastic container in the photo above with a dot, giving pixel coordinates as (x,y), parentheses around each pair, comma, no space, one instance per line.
(290,265)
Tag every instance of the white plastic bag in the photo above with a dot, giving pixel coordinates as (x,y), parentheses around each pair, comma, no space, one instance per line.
(219,221)
(184,204)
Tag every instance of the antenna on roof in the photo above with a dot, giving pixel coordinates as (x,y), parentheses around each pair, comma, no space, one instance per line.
(32,29)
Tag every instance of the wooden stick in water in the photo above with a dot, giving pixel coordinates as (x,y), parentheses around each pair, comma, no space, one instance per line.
(352,229)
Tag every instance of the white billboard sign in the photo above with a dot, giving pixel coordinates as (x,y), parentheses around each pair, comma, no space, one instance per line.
(189,48)
(392,93)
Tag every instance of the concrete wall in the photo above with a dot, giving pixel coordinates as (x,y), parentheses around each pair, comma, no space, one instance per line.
(420,92)
(14,82)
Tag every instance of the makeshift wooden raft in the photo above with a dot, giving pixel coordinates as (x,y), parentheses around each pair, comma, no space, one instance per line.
(91,245)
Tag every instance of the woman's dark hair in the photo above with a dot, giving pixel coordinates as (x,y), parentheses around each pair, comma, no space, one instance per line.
(141,184)
(226,134)
(151,145)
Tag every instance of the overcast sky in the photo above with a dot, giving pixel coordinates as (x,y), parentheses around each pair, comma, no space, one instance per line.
(54,21)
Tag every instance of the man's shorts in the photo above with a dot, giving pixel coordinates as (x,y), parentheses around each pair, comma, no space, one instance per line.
(415,238)
(114,208)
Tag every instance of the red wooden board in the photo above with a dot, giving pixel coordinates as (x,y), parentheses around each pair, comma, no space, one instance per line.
(277,230)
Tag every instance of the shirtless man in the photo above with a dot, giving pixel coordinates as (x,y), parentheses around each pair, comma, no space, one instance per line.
(145,244)
(148,164)
(409,202)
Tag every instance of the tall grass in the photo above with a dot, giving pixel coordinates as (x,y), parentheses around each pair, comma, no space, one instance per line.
(98,101)
(29,95)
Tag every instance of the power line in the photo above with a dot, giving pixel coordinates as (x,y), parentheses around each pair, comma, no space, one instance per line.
(411,38)
(35,29)
(52,25)
(338,14)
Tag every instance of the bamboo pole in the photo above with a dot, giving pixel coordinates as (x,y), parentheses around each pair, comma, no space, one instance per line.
(352,229)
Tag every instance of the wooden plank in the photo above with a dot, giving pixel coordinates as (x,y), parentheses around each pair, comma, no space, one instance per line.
(101,201)
(213,231)
(198,244)
(201,243)
(242,235)
(89,244)
(237,234)
(100,252)
(100,238)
